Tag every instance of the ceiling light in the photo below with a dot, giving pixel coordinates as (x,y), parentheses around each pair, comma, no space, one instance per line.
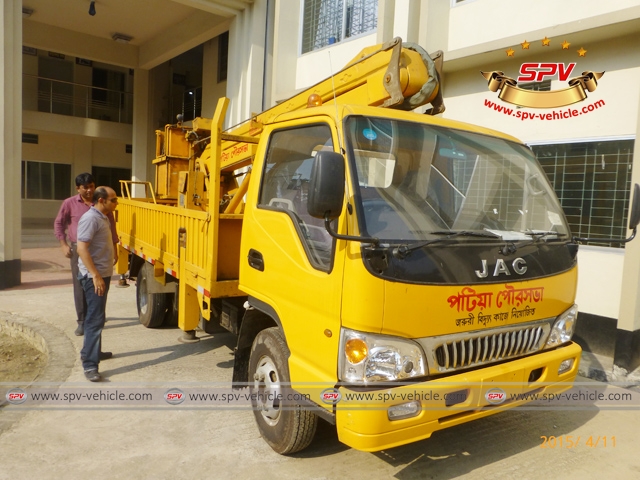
(27,12)
(121,38)
(92,8)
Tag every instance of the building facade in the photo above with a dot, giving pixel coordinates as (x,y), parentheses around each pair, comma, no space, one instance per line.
(86,92)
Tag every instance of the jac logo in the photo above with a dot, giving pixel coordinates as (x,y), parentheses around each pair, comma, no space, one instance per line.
(174,396)
(331,396)
(495,396)
(16,396)
(537,72)
(519,266)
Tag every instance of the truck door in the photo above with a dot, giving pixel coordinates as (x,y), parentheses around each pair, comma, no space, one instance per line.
(290,266)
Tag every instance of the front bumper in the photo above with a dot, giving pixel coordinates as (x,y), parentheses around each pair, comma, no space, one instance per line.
(362,416)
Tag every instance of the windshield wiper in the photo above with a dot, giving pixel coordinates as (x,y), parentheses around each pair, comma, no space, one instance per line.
(402,251)
(537,235)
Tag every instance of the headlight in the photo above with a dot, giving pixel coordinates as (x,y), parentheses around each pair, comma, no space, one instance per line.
(563,328)
(364,357)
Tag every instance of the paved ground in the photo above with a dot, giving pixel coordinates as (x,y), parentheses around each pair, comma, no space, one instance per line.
(163,442)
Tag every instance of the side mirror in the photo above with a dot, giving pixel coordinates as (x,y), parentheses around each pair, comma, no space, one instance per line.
(326,185)
(634,213)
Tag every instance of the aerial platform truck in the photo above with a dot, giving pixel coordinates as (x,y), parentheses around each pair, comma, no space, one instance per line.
(400,272)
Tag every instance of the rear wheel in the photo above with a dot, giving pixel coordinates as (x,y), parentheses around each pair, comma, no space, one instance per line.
(286,427)
(151,306)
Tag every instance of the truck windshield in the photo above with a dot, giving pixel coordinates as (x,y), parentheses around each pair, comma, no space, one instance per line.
(415,181)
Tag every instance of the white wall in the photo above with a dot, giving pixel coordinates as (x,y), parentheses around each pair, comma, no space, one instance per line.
(600,280)
(315,66)
(474,23)
(466,91)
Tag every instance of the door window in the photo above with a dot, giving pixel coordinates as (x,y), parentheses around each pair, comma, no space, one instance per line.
(285,186)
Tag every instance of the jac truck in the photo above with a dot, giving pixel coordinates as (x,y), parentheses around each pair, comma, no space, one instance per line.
(402,273)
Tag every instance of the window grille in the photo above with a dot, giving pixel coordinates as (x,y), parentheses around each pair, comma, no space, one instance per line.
(593,182)
(327,22)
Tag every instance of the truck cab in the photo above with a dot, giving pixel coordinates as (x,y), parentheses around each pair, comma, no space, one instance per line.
(397,253)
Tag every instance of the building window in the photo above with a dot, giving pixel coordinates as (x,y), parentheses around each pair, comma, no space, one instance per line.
(223,56)
(46,181)
(54,90)
(110,177)
(326,22)
(593,182)
(536,86)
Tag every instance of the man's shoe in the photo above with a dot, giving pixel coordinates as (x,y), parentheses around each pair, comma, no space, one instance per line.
(93,375)
(80,330)
(103,356)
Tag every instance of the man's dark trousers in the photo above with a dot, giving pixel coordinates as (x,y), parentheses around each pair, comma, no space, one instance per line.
(78,290)
(93,323)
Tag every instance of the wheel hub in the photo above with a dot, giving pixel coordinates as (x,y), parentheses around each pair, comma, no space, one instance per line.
(267,389)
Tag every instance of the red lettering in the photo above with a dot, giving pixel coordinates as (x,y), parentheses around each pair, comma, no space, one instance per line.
(552,68)
(537,72)
(530,70)
(564,72)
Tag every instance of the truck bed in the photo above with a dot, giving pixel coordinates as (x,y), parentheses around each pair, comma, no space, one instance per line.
(208,253)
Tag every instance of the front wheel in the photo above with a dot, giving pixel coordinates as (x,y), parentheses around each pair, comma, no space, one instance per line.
(286,427)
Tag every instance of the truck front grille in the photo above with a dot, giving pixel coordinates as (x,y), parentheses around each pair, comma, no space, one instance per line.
(449,353)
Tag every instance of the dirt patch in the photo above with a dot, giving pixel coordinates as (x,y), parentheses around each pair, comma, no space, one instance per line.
(19,361)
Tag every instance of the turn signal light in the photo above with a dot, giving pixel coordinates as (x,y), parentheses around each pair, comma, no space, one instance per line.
(356,350)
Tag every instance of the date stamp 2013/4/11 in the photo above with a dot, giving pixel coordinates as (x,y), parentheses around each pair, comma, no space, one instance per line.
(574,441)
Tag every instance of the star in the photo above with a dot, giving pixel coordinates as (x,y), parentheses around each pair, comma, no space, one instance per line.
(565,45)
(510,52)
(525,45)
(582,52)
(545,42)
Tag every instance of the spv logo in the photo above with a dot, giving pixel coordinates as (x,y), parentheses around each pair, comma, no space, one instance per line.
(174,396)
(495,396)
(515,90)
(330,396)
(16,396)
(537,72)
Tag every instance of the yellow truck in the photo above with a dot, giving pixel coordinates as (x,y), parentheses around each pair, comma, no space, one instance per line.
(400,272)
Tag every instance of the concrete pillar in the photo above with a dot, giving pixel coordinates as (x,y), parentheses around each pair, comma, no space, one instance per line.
(82,157)
(627,350)
(286,41)
(245,79)
(209,77)
(10,141)
(406,23)
(212,87)
(434,25)
(143,148)
(386,19)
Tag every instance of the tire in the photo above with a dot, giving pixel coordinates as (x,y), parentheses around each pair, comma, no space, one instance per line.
(287,428)
(171,315)
(151,306)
